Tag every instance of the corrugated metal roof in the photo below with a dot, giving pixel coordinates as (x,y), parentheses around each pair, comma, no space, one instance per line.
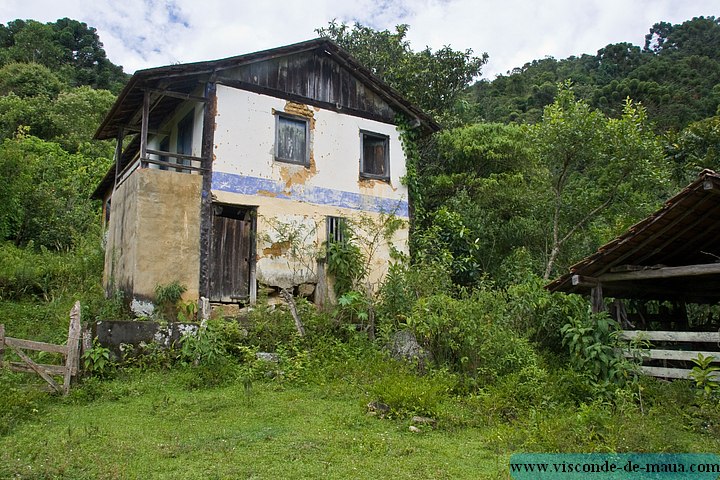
(685,231)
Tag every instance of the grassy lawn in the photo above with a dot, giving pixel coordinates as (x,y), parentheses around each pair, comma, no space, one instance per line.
(150,427)
(306,416)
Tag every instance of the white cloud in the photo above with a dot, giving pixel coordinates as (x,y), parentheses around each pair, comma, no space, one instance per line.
(148,33)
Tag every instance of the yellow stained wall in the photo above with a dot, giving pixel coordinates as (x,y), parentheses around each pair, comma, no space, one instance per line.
(154,233)
(274,266)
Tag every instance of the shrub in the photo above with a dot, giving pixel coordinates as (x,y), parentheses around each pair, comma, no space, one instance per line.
(539,315)
(462,335)
(595,350)
(404,285)
(407,393)
(167,298)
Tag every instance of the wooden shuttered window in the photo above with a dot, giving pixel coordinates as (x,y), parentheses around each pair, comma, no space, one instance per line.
(291,139)
(375,161)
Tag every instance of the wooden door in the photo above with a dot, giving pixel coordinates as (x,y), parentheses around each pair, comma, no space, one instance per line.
(231,249)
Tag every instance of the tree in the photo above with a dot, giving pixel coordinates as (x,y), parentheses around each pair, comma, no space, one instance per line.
(601,171)
(483,197)
(71,49)
(695,148)
(432,80)
(29,80)
(75,115)
(46,198)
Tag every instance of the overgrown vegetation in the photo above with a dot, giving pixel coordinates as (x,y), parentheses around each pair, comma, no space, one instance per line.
(502,364)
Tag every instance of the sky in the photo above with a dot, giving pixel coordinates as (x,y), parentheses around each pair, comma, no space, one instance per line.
(141,34)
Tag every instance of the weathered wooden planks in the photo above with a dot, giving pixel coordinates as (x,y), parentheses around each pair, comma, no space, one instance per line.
(684,355)
(71,351)
(665,336)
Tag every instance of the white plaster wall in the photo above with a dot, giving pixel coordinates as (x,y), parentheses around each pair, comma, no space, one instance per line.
(280,270)
(245,136)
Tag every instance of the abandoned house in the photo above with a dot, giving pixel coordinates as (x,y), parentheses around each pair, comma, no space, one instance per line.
(232,174)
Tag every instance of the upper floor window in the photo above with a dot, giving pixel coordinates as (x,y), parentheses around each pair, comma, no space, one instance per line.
(375,160)
(291,139)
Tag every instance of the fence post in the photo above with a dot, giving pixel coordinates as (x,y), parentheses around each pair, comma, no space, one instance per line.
(73,347)
(2,342)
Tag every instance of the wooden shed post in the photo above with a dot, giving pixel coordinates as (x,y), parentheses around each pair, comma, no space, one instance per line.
(2,343)
(596,299)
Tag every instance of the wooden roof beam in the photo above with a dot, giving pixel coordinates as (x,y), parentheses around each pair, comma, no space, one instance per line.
(179,95)
(709,185)
(665,272)
(583,281)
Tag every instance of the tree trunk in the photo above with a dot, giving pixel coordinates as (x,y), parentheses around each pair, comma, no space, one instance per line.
(556,239)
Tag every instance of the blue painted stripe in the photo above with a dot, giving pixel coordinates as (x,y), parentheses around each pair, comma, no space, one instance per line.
(229,182)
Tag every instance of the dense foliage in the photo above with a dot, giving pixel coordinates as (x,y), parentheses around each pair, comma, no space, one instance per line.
(432,80)
(53,94)
(675,76)
(68,47)
(499,207)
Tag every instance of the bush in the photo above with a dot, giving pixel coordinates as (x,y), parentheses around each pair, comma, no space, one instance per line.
(167,298)
(43,274)
(463,336)
(404,285)
(595,350)
(539,315)
(407,393)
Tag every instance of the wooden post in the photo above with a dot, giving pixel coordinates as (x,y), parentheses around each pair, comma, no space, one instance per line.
(596,299)
(144,129)
(287,295)
(87,339)
(73,347)
(206,216)
(2,342)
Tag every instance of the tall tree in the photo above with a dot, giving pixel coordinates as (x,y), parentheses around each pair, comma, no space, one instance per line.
(600,170)
(71,49)
(432,80)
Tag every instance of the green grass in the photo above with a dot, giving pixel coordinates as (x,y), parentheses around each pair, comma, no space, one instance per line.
(155,425)
(148,426)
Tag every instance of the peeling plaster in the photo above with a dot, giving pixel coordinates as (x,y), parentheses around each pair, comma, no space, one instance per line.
(299,174)
(277,249)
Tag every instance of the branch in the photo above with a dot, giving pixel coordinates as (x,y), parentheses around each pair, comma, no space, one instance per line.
(587,217)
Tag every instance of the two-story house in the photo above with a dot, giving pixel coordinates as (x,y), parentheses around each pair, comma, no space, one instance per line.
(217,161)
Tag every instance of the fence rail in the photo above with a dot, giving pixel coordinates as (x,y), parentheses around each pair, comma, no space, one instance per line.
(665,354)
(71,352)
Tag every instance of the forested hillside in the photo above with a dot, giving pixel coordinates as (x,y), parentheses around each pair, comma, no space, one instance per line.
(675,75)
(558,157)
(56,84)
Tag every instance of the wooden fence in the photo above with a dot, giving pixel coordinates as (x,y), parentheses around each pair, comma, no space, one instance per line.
(71,352)
(672,355)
